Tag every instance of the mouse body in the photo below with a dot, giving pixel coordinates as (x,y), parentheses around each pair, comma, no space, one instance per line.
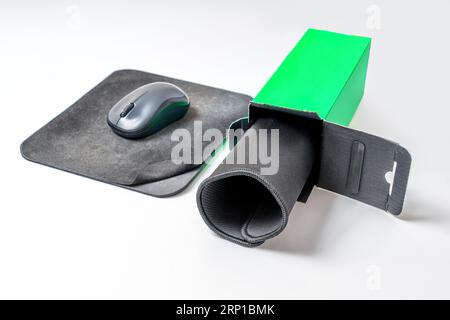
(147,110)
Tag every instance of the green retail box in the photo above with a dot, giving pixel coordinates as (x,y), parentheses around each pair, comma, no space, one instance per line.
(322,80)
(324,74)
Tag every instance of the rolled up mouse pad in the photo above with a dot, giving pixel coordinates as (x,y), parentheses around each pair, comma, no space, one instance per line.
(247,206)
(80,141)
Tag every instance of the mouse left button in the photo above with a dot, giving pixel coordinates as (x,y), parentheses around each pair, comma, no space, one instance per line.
(127,110)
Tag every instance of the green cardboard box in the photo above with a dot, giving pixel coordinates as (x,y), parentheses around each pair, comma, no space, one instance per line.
(306,104)
(324,74)
(323,79)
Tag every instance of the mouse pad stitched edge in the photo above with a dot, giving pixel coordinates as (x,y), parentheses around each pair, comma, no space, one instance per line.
(74,140)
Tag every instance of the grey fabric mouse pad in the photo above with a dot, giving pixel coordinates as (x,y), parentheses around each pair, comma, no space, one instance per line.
(247,207)
(80,141)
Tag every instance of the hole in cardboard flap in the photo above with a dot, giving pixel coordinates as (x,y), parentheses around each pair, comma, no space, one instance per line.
(390,177)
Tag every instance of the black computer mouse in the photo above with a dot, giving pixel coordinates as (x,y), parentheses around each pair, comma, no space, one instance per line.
(148,109)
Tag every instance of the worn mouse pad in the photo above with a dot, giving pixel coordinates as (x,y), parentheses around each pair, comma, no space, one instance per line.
(80,141)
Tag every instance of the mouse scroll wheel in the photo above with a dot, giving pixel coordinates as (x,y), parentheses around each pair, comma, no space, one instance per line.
(127,110)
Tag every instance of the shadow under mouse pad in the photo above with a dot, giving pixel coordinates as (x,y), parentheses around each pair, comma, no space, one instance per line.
(80,141)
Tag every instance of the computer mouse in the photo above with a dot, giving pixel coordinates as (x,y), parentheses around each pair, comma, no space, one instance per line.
(148,109)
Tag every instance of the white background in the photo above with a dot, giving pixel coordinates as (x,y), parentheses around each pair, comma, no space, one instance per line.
(62,236)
